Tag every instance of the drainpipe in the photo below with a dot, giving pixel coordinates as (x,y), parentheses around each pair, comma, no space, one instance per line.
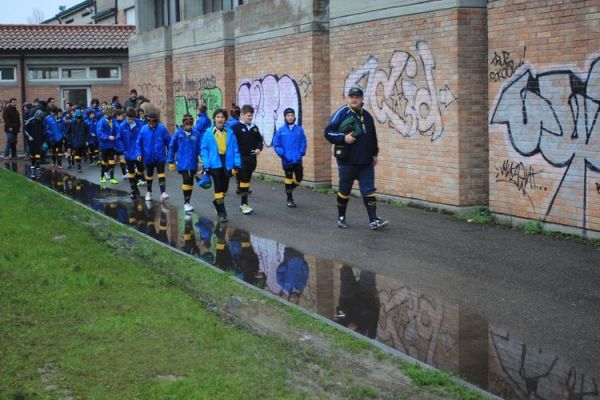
(116,12)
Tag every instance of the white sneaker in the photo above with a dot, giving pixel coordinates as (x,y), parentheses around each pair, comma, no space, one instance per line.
(164,196)
(246,209)
(148,196)
(187,207)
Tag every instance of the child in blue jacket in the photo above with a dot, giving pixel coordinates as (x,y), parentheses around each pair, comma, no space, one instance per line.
(220,158)
(151,147)
(186,144)
(129,130)
(107,130)
(290,145)
(55,135)
(92,124)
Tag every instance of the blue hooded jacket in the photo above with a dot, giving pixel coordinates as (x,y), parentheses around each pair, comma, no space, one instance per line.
(202,123)
(53,129)
(187,148)
(231,122)
(127,139)
(290,144)
(103,131)
(92,125)
(210,151)
(152,144)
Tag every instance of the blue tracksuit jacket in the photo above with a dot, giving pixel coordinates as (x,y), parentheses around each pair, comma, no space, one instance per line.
(187,147)
(210,151)
(152,144)
(202,124)
(53,129)
(103,131)
(127,139)
(290,144)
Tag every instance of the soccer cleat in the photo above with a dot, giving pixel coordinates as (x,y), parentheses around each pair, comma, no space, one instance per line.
(103,179)
(164,196)
(341,223)
(141,182)
(291,204)
(113,181)
(188,208)
(132,194)
(246,209)
(148,196)
(378,223)
(223,218)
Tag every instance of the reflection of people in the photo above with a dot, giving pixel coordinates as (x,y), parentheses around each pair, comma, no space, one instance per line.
(189,238)
(359,303)
(292,274)
(352,132)
(205,231)
(290,145)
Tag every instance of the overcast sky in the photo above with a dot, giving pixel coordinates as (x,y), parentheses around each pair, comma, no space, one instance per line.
(16,12)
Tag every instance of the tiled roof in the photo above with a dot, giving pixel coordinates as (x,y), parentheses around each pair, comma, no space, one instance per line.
(65,37)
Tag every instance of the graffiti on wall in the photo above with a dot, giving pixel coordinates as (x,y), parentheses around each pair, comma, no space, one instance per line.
(520,372)
(190,93)
(305,84)
(395,99)
(503,66)
(154,93)
(555,115)
(270,96)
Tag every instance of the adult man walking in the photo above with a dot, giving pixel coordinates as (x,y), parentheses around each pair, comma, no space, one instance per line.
(12,127)
(352,132)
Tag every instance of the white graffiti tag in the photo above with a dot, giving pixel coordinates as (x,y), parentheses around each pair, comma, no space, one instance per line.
(395,99)
(270,96)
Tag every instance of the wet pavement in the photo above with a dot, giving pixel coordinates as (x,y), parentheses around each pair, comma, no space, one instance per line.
(516,315)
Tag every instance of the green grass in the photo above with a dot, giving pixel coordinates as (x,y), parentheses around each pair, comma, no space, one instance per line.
(438,382)
(90,309)
(481,216)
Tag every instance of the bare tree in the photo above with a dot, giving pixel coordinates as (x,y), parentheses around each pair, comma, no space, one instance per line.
(37,16)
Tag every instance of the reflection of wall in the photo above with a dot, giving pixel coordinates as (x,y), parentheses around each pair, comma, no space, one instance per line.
(519,371)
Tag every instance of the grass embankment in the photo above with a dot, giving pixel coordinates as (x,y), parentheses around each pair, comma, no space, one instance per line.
(89,309)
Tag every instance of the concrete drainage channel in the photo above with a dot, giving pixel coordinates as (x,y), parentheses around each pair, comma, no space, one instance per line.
(253,315)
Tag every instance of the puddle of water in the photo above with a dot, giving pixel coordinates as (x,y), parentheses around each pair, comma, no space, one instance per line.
(376,306)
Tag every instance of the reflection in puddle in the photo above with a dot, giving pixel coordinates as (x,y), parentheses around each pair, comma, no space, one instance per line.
(374,305)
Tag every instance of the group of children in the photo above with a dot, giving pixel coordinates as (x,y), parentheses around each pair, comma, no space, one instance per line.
(226,147)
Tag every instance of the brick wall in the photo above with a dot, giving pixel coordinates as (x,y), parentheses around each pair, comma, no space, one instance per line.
(286,72)
(543,93)
(203,78)
(153,79)
(409,68)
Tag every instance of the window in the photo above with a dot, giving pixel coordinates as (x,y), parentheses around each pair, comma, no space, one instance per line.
(69,21)
(7,73)
(104,73)
(211,6)
(73,73)
(37,73)
(130,16)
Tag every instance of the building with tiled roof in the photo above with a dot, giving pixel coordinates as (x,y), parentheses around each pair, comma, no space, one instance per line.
(71,63)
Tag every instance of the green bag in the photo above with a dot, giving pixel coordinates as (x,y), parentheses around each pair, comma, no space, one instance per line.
(349,125)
